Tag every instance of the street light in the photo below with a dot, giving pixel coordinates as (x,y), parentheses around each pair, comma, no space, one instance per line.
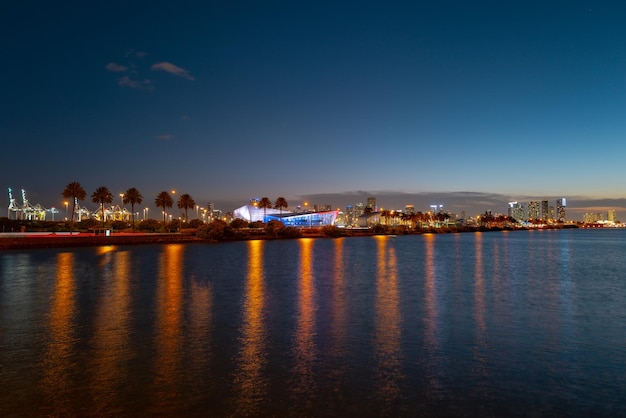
(65,209)
(197,209)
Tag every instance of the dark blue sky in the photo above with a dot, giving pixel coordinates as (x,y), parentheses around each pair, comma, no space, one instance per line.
(317,101)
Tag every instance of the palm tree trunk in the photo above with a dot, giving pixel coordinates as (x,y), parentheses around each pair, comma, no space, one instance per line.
(132,208)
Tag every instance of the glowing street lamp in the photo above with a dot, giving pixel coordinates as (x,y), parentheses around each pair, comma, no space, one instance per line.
(66,204)
(197,210)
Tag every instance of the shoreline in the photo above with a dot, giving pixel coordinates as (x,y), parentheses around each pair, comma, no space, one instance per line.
(26,241)
(37,241)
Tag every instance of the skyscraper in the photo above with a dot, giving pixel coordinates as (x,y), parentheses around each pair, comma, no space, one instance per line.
(371,203)
(533,210)
(612,216)
(560,209)
(516,211)
(545,210)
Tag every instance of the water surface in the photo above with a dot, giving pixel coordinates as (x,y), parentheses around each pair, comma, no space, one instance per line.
(527,323)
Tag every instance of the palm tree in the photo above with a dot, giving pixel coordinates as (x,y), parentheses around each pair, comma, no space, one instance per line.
(186,202)
(163,200)
(133,197)
(102,195)
(280,204)
(75,192)
(265,203)
(385,214)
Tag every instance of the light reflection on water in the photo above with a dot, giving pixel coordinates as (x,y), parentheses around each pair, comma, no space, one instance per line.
(466,324)
(250,378)
(111,349)
(303,383)
(59,364)
(167,370)
(388,332)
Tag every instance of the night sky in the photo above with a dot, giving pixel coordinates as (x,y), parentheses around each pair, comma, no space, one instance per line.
(465,104)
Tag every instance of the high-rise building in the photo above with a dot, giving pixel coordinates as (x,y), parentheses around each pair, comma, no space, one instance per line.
(560,209)
(349,215)
(592,218)
(409,209)
(322,208)
(359,209)
(612,216)
(210,209)
(516,211)
(371,203)
(533,210)
(545,210)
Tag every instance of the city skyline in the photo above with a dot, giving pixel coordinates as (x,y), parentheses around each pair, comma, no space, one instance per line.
(466,105)
(381,201)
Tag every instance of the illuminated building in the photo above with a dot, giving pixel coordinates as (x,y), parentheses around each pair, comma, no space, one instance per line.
(560,209)
(359,209)
(592,218)
(612,216)
(545,210)
(253,213)
(516,211)
(371,203)
(409,209)
(533,210)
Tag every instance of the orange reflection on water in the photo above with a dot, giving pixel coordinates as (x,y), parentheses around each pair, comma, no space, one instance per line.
(339,306)
(200,331)
(388,318)
(169,336)
(479,307)
(250,382)
(431,313)
(57,366)
(479,286)
(430,294)
(111,332)
(304,347)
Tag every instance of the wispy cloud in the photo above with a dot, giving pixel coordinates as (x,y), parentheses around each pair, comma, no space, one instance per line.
(135,84)
(168,67)
(116,68)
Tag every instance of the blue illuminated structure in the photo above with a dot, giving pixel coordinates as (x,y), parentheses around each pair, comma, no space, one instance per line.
(307,219)
(253,213)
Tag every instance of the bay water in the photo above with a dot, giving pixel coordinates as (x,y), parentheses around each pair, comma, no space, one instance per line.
(521,323)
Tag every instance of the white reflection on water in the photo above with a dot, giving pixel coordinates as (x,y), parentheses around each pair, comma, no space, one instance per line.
(168,373)
(250,380)
(304,350)
(58,362)
(388,331)
(111,333)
